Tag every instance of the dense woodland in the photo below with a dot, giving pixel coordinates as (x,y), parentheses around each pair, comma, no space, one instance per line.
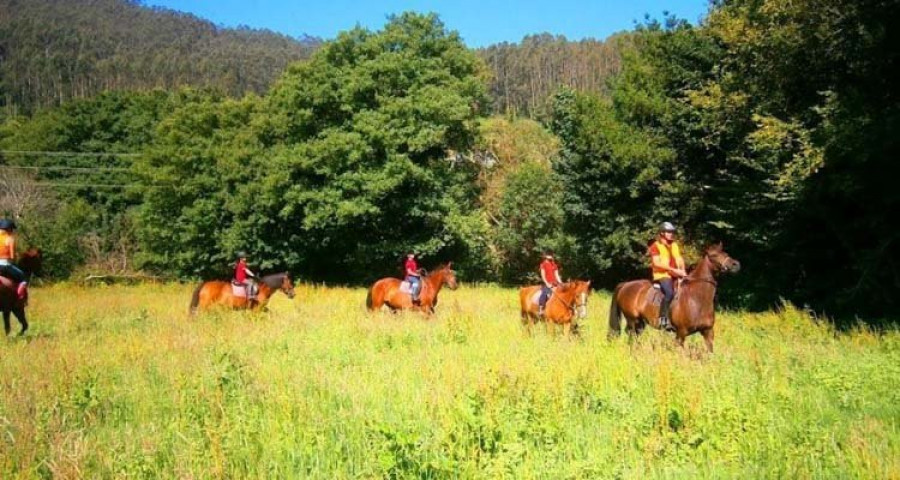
(770,126)
(53,51)
(525,75)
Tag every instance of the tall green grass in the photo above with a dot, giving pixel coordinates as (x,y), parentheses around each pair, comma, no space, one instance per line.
(118,382)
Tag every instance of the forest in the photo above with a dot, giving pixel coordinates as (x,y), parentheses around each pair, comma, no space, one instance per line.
(770,126)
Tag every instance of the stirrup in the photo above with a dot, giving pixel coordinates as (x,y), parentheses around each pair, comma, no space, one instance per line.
(665,324)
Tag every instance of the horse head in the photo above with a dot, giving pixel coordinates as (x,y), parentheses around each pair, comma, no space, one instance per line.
(721,261)
(31,261)
(582,291)
(280,281)
(287,286)
(448,275)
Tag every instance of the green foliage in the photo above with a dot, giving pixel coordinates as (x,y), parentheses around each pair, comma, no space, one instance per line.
(56,51)
(81,199)
(201,154)
(530,219)
(351,145)
(614,173)
(765,127)
(520,195)
(525,74)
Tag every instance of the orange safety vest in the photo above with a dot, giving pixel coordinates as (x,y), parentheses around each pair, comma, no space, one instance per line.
(6,246)
(669,254)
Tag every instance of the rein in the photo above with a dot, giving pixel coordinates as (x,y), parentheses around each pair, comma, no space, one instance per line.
(573,306)
(705,280)
(712,281)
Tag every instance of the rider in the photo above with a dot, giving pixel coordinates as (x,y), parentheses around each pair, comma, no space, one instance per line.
(550,279)
(8,254)
(667,265)
(244,276)
(412,276)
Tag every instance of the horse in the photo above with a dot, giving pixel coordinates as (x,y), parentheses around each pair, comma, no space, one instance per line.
(388,291)
(565,307)
(30,263)
(692,308)
(218,292)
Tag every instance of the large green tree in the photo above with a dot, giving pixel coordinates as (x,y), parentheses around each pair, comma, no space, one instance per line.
(347,163)
(768,127)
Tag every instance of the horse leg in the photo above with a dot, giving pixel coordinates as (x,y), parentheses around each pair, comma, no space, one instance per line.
(6,326)
(680,335)
(631,326)
(20,314)
(708,336)
(526,322)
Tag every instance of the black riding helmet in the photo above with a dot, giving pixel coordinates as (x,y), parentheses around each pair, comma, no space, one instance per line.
(7,224)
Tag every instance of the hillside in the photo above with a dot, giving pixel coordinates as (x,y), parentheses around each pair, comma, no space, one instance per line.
(52,51)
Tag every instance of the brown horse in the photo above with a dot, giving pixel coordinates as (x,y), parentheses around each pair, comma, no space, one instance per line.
(387,292)
(30,263)
(692,309)
(218,292)
(568,301)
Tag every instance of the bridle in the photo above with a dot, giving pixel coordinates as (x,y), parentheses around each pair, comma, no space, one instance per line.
(712,281)
(575,306)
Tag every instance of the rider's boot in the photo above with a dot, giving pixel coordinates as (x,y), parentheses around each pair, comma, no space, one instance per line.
(664,322)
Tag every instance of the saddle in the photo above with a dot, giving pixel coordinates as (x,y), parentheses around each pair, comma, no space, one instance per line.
(536,297)
(405,287)
(238,289)
(656,295)
(13,285)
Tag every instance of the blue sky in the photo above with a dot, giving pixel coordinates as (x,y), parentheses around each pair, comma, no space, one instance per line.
(480,23)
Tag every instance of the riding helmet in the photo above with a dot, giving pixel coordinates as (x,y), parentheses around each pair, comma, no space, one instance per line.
(667,227)
(7,224)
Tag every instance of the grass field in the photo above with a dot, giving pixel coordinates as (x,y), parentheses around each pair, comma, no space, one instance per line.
(117,382)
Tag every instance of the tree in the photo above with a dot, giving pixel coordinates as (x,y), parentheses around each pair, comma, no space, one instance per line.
(341,168)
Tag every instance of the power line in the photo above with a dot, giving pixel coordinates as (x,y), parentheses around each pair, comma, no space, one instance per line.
(93,185)
(67,154)
(77,169)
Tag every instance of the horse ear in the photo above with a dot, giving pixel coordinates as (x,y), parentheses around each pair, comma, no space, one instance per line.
(449,264)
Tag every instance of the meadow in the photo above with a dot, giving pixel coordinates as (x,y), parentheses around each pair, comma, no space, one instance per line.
(118,382)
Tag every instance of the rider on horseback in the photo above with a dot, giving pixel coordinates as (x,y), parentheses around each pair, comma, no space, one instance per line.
(550,279)
(666,265)
(413,277)
(8,254)
(244,276)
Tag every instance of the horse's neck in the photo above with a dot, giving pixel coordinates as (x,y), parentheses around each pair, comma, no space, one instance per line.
(703,271)
(435,281)
(272,281)
(567,296)
(701,285)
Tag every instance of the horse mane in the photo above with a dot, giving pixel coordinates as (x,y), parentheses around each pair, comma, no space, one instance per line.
(275,278)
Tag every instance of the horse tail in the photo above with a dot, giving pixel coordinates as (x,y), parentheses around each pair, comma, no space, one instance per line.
(195,299)
(615,315)
(369,297)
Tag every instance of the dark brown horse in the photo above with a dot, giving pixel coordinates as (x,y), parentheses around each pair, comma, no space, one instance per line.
(692,309)
(387,291)
(565,307)
(30,263)
(218,292)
